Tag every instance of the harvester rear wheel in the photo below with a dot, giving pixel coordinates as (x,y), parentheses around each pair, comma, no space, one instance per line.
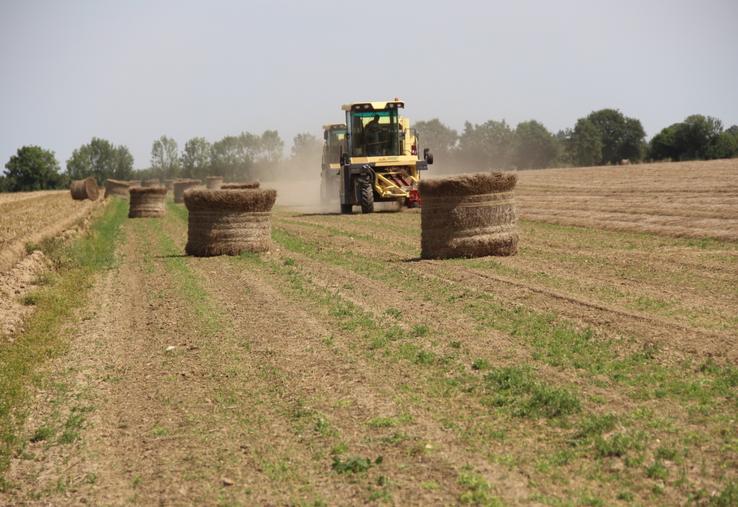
(366,194)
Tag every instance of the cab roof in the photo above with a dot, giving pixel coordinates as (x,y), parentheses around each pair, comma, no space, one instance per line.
(374,106)
(334,126)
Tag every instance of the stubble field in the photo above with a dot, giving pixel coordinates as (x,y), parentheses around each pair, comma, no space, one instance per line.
(596,367)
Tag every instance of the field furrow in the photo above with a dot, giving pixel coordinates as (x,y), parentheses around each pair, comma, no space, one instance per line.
(595,367)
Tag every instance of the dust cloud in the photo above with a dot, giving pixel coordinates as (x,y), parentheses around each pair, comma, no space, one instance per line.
(297,182)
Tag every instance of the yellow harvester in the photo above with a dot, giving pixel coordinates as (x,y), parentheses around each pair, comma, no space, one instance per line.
(372,157)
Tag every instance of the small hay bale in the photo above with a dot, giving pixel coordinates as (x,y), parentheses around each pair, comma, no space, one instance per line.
(214,182)
(154,182)
(181,185)
(116,187)
(147,202)
(240,186)
(468,216)
(85,189)
(229,222)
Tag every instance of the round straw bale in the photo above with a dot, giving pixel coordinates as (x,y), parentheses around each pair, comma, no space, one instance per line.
(229,222)
(214,182)
(181,185)
(237,186)
(84,189)
(116,187)
(154,182)
(147,202)
(468,216)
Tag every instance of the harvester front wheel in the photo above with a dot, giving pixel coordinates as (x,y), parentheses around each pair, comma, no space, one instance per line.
(366,194)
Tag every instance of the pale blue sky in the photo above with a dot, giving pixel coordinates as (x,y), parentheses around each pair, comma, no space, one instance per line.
(131,71)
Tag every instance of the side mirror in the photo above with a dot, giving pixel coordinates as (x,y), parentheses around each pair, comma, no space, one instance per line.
(427,155)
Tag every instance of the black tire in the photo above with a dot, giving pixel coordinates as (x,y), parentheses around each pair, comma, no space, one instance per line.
(366,194)
(346,209)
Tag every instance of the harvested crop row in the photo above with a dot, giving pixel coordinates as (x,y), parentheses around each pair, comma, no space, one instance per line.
(35,218)
(689,199)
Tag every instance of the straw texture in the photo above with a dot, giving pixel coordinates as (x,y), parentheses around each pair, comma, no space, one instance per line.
(228,222)
(84,189)
(147,202)
(468,216)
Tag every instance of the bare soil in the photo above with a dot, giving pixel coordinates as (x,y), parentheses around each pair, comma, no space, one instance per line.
(341,369)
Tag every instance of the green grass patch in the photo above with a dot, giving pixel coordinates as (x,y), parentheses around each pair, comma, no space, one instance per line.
(353,464)
(388,422)
(518,388)
(75,264)
(477,491)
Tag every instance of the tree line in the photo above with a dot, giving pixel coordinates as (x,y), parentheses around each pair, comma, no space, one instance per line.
(603,137)
(238,157)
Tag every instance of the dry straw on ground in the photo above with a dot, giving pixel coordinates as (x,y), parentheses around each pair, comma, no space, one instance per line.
(214,182)
(240,186)
(154,182)
(116,187)
(468,216)
(84,189)
(147,202)
(229,222)
(181,185)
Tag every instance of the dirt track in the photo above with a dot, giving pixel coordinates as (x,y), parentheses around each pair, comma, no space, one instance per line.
(245,380)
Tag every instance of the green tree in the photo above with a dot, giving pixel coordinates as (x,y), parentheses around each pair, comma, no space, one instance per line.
(101,159)
(233,156)
(534,147)
(306,148)
(269,147)
(438,137)
(664,144)
(486,146)
(621,137)
(196,158)
(32,168)
(165,157)
(585,143)
(698,137)
(725,145)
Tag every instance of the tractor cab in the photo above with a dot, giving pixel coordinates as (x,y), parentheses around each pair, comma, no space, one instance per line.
(334,137)
(379,159)
(334,143)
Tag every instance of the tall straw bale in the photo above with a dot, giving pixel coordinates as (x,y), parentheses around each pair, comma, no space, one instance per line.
(84,189)
(153,182)
(229,222)
(147,202)
(468,216)
(116,187)
(181,185)
(134,183)
(240,186)
(214,182)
